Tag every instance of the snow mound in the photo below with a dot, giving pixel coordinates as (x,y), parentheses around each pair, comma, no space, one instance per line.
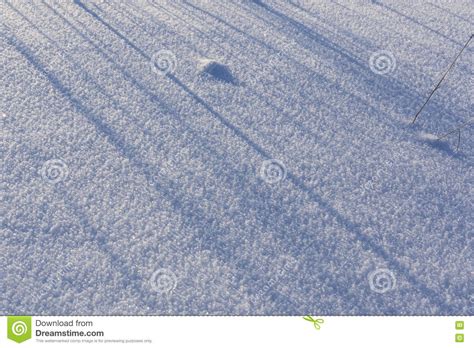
(429,137)
(216,70)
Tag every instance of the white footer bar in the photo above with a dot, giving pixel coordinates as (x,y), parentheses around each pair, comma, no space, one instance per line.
(314,331)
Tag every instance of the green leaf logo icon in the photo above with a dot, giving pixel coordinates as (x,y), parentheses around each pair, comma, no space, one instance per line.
(316,322)
(19,328)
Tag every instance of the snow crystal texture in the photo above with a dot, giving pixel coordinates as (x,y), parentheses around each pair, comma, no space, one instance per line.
(135,181)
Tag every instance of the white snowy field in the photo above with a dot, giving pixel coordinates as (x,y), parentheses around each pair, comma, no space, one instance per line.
(236,157)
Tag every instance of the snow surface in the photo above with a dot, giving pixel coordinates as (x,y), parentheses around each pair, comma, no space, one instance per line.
(133,185)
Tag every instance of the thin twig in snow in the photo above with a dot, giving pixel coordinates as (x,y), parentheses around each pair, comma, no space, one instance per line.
(442,78)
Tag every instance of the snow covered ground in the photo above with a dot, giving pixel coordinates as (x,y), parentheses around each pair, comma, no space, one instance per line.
(236,157)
